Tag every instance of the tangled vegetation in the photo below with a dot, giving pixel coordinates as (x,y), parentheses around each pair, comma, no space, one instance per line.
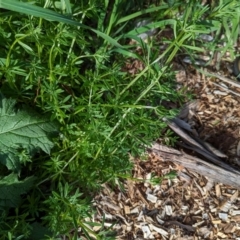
(81,113)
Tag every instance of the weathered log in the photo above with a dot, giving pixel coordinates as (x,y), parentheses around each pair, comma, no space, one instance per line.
(198,165)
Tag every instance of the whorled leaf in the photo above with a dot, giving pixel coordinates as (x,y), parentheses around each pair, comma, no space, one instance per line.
(33,10)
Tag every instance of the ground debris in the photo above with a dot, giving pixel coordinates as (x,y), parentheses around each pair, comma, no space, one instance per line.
(179,208)
(191,206)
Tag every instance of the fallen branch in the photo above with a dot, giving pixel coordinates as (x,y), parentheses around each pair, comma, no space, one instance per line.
(198,165)
(196,144)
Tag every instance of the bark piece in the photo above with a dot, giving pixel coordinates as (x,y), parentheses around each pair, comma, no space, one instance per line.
(198,165)
(196,144)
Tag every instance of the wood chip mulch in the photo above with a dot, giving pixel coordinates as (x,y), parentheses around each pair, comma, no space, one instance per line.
(188,206)
(151,205)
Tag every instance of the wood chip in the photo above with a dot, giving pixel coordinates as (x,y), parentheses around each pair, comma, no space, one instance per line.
(234,196)
(110,205)
(223,216)
(238,149)
(235,212)
(217,190)
(217,92)
(168,210)
(127,210)
(152,198)
(147,233)
(159,230)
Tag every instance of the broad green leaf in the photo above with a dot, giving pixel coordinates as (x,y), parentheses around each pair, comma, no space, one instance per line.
(11,189)
(39,232)
(22,129)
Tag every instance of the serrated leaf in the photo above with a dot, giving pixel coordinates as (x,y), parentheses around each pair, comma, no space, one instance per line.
(6,106)
(39,232)
(22,129)
(11,189)
(10,160)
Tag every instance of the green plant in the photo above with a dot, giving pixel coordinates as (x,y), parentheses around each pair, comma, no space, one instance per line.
(68,59)
(23,133)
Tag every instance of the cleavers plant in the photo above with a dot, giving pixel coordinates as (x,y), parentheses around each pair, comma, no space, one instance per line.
(68,60)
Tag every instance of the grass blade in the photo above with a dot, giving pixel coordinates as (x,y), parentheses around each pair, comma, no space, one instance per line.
(68,6)
(140,13)
(50,15)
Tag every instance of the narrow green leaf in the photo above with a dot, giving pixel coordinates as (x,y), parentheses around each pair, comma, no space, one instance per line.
(127,53)
(25,46)
(142,12)
(198,49)
(149,26)
(68,6)
(49,15)
(36,11)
